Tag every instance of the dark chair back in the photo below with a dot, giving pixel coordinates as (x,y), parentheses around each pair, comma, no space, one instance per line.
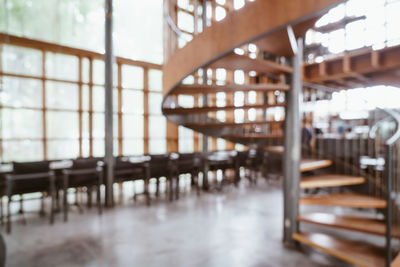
(125,170)
(29,177)
(159,165)
(87,179)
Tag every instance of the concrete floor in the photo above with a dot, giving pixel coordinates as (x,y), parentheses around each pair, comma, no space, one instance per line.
(236,227)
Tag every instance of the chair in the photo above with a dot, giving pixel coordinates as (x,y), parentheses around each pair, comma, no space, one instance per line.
(87,173)
(132,169)
(30,177)
(190,163)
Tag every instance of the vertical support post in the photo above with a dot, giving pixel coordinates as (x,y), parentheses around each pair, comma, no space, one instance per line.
(389,215)
(120,103)
(90,107)
(146,111)
(44,103)
(108,58)
(292,154)
(80,105)
(205,103)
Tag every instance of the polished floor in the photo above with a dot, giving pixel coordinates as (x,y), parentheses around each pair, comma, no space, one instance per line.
(236,227)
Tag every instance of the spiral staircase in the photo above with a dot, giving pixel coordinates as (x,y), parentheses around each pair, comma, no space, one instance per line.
(274,26)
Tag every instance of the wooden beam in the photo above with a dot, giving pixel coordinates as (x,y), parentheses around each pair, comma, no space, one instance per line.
(61,49)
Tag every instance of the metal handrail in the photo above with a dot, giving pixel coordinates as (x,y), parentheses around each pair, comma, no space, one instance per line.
(171,23)
(389,187)
(396,136)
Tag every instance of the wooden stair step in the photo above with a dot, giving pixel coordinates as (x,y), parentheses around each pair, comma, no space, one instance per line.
(275,149)
(345,200)
(183,111)
(330,180)
(360,224)
(396,261)
(192,89)
(357,253)
(231,124)
(247,64)
(253,137)
(314,164)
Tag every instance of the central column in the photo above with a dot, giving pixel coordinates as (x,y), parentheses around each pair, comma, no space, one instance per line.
(292,154)
(205,103)
(108,60)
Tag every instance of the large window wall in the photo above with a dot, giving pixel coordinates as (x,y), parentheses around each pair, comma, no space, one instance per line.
(357,24)
(138,25)
(52,103)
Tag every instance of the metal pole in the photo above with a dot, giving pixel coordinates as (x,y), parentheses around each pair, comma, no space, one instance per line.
(292,154)
(109,59)
(205,103)
(389,215)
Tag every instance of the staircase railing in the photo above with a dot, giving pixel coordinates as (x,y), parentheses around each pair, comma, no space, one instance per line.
(392,146)
(380,164)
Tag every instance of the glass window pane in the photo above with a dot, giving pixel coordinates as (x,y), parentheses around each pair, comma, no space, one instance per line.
(157,146)
(155,80)
(185,21)
(21,92)
(98,147)
(21,60)
(98,98)
(132,101)
(62,124)
(22,150)
(186,101)
(85,70)
(62,149)
(98,71)
(98,125)
(21,123)
(155,101)
(132,126)
(55,66)
(157,127)
(133,146)
(85,97)
(132,77)
(62,95)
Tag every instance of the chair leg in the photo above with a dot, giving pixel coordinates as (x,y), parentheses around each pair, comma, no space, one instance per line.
(171,188)
(42,205)
(120,193)
(1,211)
(146,191)
(21,204)
(98,195)
(89,196)
(9,215)
(52,196)
(134,191)
(157,187)
(65,198)
(177,189)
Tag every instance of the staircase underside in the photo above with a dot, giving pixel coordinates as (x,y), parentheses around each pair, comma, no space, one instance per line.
(345,200)
(359,224)
(314,164)
(330,180)
(357,253)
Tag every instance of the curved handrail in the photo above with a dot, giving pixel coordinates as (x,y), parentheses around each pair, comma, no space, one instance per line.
(396,136)
(171,23)
(374,128)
